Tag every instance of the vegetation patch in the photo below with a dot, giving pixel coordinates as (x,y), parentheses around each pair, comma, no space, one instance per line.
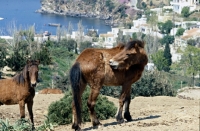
(60,112)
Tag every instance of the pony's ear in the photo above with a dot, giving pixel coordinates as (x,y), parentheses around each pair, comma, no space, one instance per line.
(28,62)
(37,62)
(137,47)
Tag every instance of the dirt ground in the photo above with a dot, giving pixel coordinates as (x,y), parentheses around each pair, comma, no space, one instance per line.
(159,113)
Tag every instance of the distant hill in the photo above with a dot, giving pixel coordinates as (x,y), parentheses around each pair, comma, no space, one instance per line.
(113,11)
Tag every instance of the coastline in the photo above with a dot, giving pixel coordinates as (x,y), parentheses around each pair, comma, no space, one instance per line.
(107,18)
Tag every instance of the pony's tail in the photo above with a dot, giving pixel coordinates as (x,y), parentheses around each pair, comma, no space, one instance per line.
(75,79)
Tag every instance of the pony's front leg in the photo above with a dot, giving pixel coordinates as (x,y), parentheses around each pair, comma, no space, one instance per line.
(91,103)
(22,109)
(127,102)
(124,98)
(30,111)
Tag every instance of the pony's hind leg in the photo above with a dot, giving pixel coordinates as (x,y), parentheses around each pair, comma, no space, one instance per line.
(91,103)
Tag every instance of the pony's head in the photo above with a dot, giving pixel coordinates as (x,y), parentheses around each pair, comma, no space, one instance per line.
(32,71)
(132,53)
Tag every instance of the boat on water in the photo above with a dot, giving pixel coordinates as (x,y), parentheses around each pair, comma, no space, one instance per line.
(1,18)
(54,24)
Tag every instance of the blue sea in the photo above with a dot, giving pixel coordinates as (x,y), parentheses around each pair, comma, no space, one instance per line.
(22,13)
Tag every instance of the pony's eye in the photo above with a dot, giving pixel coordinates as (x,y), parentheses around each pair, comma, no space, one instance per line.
(128,54)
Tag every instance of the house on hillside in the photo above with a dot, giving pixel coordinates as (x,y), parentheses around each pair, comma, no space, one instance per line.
(181,42)
(193,34)
(178,5)
(108,40)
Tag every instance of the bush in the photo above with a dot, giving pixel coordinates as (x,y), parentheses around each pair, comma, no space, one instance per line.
(20,125)
(185,11)
(60,112)
(180,31)
(24,125)
(150,84)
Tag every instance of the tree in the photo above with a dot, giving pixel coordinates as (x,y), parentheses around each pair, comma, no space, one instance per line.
(13,31)
(168,57)
(168,39)
(185,11)
(151,3)
(80,32)
(70,44)
(16,61)
(180,31)
(159,60)
(144,5)
(2,58)
(43,55)
(60,33)
(27,36)
(191,42)
(84,45)
(70,28)
(134,36)
(166,27)
(191,61)
(120,36)
(110,5)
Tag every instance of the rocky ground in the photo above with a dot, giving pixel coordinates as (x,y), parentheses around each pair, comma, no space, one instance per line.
(161,113)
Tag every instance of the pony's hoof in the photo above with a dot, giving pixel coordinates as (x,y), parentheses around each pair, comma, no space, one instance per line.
(76,127)
(33,128)
(120,121)
(99,126)
(127,116)
(96,123)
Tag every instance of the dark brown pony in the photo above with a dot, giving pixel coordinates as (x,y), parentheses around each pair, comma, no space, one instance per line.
(122,65)
(20,89)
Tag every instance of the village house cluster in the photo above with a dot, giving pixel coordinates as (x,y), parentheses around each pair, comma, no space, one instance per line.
(192,28)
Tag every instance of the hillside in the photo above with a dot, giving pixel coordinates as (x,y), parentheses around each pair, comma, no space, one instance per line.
(117,10)
(148,113)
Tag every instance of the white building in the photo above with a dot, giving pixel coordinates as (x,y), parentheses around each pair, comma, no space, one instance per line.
(187,35)
(140,21)
(178,5)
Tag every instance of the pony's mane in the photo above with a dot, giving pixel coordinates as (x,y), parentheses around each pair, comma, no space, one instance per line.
(120,46)
(21,77)
(130,44)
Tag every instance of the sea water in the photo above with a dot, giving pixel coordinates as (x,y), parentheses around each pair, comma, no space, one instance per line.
(21,13)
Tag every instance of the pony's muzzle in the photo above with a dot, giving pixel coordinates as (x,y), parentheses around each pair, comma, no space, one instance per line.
(113,64)
(33,84)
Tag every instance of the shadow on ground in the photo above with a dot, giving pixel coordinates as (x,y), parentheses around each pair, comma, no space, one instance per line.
(116,123)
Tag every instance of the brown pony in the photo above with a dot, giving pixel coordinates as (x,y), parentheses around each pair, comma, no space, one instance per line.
(122,65)
(20,89)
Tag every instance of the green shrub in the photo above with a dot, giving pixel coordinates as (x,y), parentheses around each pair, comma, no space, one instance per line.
(20,125)
(150,84)
(24,125)
(60,112)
